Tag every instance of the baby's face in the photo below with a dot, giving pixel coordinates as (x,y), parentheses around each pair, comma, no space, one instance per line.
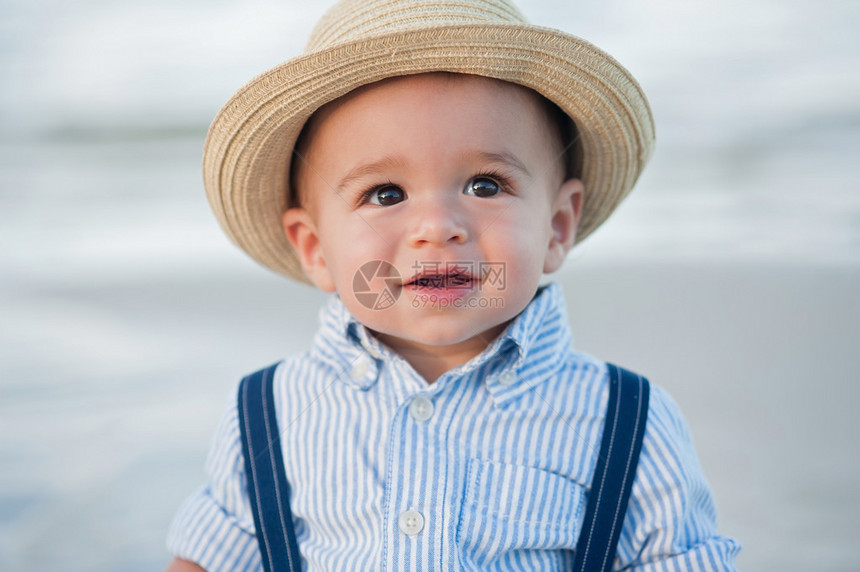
(433,204)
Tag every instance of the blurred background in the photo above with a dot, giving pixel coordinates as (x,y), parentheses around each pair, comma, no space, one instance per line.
(730,276)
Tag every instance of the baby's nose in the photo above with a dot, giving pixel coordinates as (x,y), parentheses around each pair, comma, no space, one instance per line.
(438,223)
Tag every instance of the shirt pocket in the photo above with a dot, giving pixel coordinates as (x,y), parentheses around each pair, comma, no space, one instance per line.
(507,509)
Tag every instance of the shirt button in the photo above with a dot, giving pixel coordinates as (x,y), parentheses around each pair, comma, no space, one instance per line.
(359,369)
(421,409)
(507,378)
(411,522)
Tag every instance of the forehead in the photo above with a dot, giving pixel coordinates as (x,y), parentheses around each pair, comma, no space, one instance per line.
(435,118)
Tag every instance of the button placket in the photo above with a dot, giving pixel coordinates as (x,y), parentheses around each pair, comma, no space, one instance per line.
(415,439)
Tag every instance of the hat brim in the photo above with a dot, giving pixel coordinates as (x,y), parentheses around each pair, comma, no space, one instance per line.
(248,149)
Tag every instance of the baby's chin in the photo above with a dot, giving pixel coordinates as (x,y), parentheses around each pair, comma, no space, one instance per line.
(441,340)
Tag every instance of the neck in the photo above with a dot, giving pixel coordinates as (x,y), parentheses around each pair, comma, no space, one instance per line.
(431,361)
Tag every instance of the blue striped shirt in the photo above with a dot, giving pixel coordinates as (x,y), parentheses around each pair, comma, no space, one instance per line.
(487,468)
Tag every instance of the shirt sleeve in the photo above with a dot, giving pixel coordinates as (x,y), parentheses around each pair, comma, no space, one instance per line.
(215,527)
(671,519)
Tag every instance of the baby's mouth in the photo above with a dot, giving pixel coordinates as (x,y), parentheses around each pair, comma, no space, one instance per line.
(442,280)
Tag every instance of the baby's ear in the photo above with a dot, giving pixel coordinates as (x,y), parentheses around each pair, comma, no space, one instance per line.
(565,218)
(300,229)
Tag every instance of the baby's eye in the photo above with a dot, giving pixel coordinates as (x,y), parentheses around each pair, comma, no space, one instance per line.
(482,187)
(386,195)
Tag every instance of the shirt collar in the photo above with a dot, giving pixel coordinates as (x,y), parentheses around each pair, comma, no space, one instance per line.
(524,355)
(347,346)
(533,346)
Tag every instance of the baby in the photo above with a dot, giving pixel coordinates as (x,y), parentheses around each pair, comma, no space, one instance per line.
(427,163)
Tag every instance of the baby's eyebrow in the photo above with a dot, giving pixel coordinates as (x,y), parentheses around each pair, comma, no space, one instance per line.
(385,164)
(501,157)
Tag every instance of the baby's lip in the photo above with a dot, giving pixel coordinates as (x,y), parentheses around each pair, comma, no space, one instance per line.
(451,278)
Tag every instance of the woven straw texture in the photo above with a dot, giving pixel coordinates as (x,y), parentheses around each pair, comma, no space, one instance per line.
(249,146)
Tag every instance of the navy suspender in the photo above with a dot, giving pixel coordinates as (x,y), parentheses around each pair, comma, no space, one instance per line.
(264,469)
(626,415)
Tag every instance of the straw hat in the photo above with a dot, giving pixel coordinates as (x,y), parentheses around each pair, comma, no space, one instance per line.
(248,149)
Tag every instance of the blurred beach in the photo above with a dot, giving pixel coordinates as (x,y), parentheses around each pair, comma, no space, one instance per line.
(729,277)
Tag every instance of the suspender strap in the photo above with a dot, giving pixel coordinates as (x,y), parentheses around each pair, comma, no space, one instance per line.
(264,469)
(626,414)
